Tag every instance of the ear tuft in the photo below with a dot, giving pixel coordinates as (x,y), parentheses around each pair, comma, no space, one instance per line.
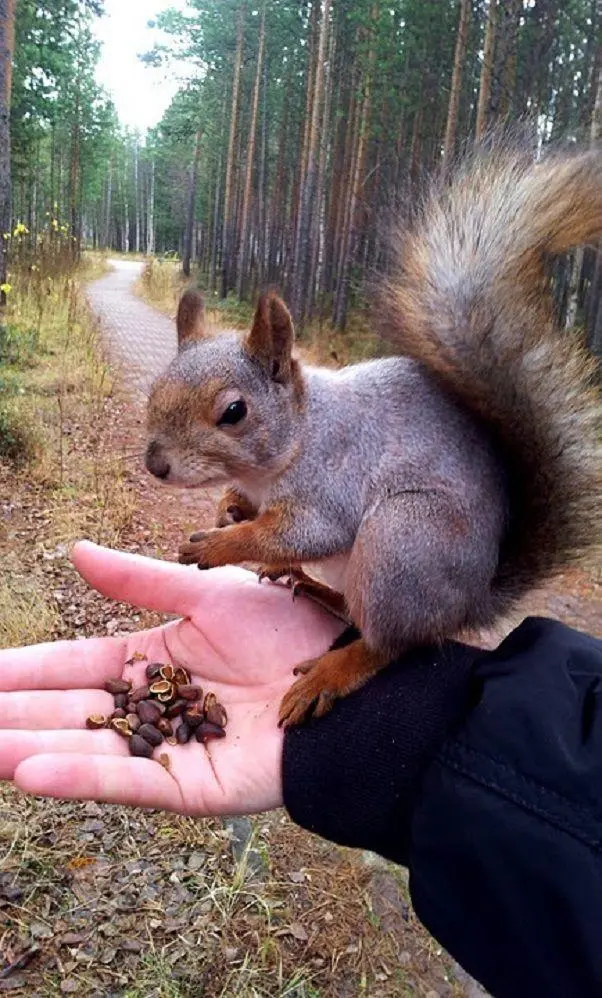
(271,338)
(190,320)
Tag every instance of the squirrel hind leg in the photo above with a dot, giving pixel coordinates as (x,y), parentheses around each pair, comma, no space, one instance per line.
(421,570)
(324,680)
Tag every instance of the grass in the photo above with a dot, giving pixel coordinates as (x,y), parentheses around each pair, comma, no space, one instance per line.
(162,283)
(54,384)
(27,614)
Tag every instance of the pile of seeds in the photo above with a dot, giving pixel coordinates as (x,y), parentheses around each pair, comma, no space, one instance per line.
(169,708)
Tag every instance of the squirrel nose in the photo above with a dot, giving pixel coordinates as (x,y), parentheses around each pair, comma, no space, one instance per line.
(155,460)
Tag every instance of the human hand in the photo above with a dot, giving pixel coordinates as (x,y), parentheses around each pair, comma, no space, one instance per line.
(235,637)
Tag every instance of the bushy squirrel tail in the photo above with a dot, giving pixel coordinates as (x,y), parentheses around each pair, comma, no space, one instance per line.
(469,297)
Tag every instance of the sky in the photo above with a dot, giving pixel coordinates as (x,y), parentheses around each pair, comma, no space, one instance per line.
(141,94)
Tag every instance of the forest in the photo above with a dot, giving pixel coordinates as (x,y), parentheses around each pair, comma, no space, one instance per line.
(300,127)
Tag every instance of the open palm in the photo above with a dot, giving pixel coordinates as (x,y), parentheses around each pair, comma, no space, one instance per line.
(235,637)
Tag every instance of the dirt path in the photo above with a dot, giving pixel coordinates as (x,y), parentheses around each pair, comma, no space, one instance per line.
(140,339)
(141,342)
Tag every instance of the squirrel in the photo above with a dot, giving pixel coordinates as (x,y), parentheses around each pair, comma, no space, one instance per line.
(430,490)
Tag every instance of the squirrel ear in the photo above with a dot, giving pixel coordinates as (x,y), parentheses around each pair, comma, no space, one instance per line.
(190,320)
(271,338)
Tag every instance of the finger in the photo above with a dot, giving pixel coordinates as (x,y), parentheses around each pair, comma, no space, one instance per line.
(16,746)
(148,582)
(103,778)
(62,665)
(52,709)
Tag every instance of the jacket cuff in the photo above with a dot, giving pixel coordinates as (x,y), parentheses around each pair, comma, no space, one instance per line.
(353,776)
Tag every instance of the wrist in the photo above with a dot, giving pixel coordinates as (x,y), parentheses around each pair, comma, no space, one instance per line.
(353,776)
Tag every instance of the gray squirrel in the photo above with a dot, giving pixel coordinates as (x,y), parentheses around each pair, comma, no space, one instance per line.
(429,491)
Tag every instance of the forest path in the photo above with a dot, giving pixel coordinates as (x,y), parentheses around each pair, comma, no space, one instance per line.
(140,339)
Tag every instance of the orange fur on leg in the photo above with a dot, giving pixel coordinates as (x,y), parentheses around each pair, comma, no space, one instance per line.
(233,507)
(329,678)
(253,540)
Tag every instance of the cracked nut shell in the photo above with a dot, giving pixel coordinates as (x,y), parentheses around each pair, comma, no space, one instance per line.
(96,721)
(121,726)
(215,712)
(161,686)
(133,721)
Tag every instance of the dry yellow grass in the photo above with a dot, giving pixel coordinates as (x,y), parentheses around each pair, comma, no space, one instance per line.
(57,467)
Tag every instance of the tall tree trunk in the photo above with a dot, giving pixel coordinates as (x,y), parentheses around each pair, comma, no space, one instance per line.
(246,205)
(310,94)
(577,268)
(456,84)
(137,197)
(150,224)
(486,71)
(7,47)
(126,212)
(262,215)
(507,69)
(190,211)
(317,235)
(106,236)
(342,295)
(74,171)
(303,248)
(227,232)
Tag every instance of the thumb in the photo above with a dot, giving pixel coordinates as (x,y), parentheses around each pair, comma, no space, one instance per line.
(147,582)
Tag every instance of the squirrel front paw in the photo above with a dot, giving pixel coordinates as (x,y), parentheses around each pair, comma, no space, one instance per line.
(228,515)
(234,507)
(311,696)
(196,550)
(331,677)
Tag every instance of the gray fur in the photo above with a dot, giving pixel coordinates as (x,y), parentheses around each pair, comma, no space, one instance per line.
(434,491)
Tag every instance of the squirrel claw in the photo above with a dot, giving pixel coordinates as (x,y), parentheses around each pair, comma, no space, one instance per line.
(306,698)
(304,668)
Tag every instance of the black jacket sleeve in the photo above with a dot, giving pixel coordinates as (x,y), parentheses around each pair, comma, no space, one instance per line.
(482,772)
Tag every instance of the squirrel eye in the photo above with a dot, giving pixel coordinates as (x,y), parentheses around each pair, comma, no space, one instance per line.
(233,414)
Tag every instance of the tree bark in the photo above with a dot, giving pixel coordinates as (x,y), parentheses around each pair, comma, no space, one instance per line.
(577,262)
(246,205)
(342,295)
(303,249)
(137,197)
(150,224)
(227,231)
(190,211)
(456,84)
(486,71)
